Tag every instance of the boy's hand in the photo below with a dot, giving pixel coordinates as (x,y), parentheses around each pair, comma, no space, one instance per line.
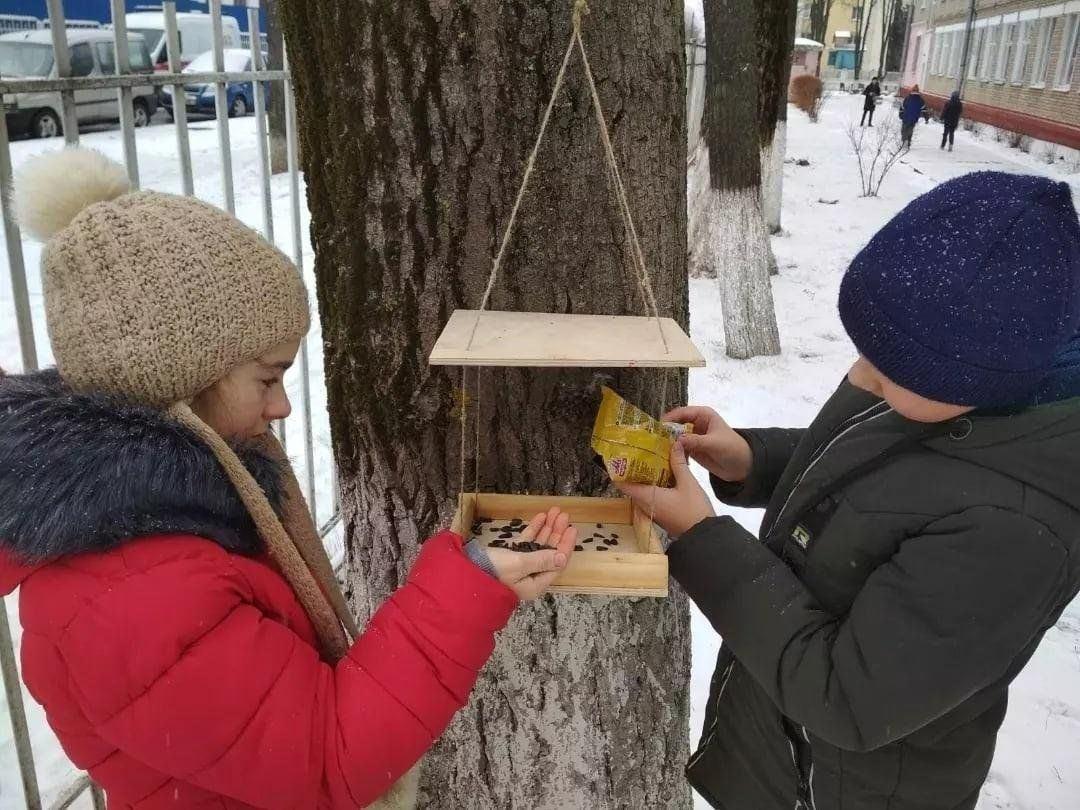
(678,509)
(530,573)
(713,444)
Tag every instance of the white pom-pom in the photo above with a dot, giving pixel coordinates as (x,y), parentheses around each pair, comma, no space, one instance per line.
(51,189)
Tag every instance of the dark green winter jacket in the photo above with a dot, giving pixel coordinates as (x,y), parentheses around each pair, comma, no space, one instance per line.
(905,574)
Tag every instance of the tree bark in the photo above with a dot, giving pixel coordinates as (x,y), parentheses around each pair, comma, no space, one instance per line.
(775,42)
(735,238)
(416,120)
(279,152)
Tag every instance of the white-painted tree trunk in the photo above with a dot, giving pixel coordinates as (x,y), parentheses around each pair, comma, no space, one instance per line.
(697,199)
(736,244)
(772,177)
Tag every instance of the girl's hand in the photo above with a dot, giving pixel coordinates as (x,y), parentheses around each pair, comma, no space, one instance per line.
(678,509)
(530,573)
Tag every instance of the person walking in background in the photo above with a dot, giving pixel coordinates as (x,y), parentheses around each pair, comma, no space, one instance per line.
(909,115)
(950,117)
(872,91)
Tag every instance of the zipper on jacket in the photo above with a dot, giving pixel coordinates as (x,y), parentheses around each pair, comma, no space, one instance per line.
(846,428)
(705,743)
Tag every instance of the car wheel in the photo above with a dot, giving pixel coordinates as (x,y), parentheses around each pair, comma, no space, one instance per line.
(45,125)
(239,108)
(141,113)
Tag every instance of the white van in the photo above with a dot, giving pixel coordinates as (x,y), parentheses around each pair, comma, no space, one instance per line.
(29,55)
(195,30)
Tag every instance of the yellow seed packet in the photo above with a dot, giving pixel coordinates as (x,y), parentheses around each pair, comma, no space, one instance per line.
(634,446)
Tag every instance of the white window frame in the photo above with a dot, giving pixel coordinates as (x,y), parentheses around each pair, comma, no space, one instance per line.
(975,53)
(1041,64)
(1066,61)
(1005,50)
(946,55)
(935,63)
(1023,45)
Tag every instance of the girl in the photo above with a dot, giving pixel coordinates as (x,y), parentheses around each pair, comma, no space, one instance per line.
(182,626)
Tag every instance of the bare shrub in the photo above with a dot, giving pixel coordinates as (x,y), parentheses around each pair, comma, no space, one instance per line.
(805,92)
(877,151)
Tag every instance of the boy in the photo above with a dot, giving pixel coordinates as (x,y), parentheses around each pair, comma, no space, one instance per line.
(919,537)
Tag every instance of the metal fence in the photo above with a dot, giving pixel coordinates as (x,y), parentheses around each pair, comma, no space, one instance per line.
(123,82)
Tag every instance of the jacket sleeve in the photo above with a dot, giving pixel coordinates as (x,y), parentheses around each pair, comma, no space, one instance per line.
(229,699)
(945,617)
(771,450)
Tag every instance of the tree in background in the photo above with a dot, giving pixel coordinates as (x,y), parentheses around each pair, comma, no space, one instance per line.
(862,27)
(775,41)
(736,240)
(415,121)
(896,33)
(819,19)
(279,152)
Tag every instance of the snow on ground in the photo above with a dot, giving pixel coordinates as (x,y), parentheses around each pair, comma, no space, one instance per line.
(1039,746)
(1040,743)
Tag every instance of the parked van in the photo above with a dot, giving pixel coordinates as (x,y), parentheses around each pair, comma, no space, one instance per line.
(195,30)
(29,54)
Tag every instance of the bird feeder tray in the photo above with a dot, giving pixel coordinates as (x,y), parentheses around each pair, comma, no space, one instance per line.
(562,340)
(632,562)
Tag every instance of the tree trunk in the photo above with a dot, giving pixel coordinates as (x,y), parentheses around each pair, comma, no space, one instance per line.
(416,121)
(279,152)
(736,241)
(775,42)
(819,20)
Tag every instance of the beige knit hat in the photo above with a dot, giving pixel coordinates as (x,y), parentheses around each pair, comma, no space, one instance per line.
(150,295)
(156,297)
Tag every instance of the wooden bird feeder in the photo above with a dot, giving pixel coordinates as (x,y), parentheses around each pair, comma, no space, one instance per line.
(621,553)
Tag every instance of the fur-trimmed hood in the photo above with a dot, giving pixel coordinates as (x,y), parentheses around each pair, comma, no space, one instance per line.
(85,472)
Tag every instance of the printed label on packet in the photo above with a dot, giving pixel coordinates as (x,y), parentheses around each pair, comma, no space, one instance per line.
(634,446)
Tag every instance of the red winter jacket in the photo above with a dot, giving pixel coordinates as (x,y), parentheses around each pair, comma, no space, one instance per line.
(180,670)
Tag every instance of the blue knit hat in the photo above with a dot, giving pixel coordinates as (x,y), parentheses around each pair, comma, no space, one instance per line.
(967,295)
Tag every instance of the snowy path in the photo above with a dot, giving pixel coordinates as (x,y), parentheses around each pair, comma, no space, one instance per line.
(1040,745)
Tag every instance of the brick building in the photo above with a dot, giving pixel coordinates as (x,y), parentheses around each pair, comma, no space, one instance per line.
(1014,62)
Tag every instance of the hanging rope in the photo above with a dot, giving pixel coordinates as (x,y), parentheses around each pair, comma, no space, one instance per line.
(622,202)
(641,270)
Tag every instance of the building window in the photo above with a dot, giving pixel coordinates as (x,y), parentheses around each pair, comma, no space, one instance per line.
(1005,51)
(975,53)
(990,49)
(1067,56)
(1023,42)
(958,52)
(943,53)
(1039,65)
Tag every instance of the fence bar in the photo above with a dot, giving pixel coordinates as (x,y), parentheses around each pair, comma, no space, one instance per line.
(127,110)
(298,258)
(97,797)
(13,85)
(183,147)
(260,124)
(16,262)
(17,712)
(221,107)
(62,57)
(69,795)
